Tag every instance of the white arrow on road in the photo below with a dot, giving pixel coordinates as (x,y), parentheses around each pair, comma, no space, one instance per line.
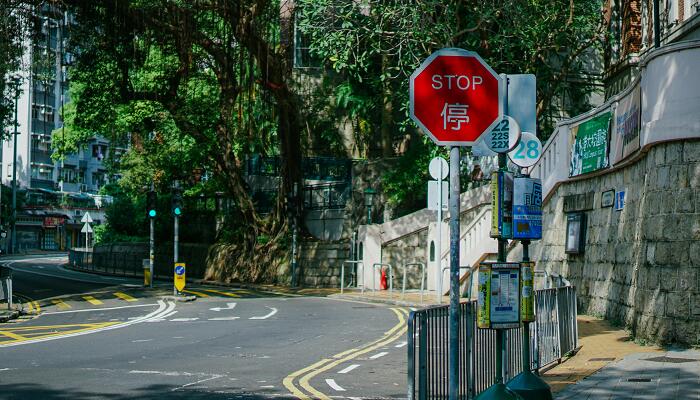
(273,312)
(229,306)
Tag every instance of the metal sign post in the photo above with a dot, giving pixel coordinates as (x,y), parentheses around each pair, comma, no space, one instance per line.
(438,169)
(454,273)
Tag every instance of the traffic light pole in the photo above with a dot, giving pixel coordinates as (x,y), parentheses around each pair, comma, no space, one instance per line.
(151,247)
(176,245)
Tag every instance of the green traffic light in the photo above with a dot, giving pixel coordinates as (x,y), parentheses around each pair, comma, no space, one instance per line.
(177,211)
(152,213)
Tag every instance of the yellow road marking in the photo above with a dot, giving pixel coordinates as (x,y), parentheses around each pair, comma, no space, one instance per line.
(92,300)
(200,294)
(50,330)
(124,296)
(12,335)
(61,304)
(222,293)
(389,336)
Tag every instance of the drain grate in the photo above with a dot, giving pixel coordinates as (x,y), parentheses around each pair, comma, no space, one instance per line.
(672,360)
(602,359)
(639,380)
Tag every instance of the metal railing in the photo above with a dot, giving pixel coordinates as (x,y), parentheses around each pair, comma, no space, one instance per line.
(374,277)
(553,335)
(342,274)
(422,279)
(327,196)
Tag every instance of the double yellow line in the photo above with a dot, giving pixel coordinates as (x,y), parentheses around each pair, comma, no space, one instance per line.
(304,375)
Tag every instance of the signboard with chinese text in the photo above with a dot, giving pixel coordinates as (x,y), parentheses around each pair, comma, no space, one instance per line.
(527,208)
(498,299)
(502,205)
(589,150)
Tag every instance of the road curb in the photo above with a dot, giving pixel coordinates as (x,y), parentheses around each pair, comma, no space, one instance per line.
(6,316)
(182,299)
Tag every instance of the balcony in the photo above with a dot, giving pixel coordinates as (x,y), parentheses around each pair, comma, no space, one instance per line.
(42,157)
(47,184)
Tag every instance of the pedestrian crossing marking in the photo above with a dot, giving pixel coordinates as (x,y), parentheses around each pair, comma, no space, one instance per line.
(61,304)
(92,300)
(222,293)
(199,294)
(124,296)
(22,334)
(11,335)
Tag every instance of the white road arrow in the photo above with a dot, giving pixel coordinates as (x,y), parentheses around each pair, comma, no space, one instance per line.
(229,306)
(273,312)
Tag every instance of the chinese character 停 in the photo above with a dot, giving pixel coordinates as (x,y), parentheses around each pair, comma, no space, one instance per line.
(455,115)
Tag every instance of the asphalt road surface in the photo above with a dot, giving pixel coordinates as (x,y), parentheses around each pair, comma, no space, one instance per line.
(96,337)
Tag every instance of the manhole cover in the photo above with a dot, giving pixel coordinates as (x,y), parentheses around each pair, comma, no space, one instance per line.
(673,360)
(639,380)
(602,359)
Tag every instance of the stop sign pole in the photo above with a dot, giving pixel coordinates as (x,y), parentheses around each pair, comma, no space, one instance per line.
(455,97)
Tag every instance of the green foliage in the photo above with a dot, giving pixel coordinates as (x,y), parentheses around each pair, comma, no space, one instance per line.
(374,46)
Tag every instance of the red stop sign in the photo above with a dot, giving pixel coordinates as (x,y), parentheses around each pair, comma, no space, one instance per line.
(455,97)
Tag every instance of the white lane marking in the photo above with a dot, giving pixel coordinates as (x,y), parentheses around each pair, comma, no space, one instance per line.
(402,344)
(7,369)
(141,340)
(163,307)
(271,313)
(229,306)
(99,309)
(224,319)
(169,314)
(348,369)
(334,386)
(183,319)
(267,387)
(382,354)
(194,383)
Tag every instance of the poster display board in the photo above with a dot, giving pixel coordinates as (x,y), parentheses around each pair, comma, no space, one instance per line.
(527,208)
(502,204)
(498,302)
(589,150)
(624,140)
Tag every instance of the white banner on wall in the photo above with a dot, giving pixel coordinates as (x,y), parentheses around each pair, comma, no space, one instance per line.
(626,126)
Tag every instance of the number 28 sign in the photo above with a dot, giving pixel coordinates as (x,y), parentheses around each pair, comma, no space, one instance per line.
(527,152)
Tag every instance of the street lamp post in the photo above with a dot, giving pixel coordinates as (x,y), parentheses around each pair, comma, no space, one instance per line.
(13,220)
(369,197)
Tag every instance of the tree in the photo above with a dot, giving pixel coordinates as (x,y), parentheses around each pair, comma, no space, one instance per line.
(211,73)
(378,44)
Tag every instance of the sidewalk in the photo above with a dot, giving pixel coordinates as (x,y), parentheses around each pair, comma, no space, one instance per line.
(610,366)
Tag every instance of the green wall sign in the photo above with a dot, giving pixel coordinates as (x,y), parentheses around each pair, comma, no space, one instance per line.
(589,150)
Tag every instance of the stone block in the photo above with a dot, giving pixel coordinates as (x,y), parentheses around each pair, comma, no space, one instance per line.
(695,304)
(678,305)
(677,227)
(691,151)
(658,155)
(668,279)
(674,153)
(685,200)
(663,177)
(694,254)
(687,279)
(694,175)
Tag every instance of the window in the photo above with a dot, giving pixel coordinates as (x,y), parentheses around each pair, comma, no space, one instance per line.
(432,251)
(302,53)
(99,151)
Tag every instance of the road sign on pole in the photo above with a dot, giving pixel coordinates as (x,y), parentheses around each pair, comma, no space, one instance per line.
(179,276)
(527,152)
(87,218)
(455,97)
(437,199)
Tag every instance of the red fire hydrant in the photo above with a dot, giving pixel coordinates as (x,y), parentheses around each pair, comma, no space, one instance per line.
(382,280)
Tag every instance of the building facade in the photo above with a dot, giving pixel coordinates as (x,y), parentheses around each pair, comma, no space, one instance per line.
(56,194)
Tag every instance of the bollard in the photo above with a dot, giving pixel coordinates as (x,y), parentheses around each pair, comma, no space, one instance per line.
(146,272)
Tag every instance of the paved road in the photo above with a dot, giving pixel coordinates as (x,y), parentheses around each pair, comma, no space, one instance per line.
(106,338)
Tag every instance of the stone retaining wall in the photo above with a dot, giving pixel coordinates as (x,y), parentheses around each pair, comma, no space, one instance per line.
(641,265)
